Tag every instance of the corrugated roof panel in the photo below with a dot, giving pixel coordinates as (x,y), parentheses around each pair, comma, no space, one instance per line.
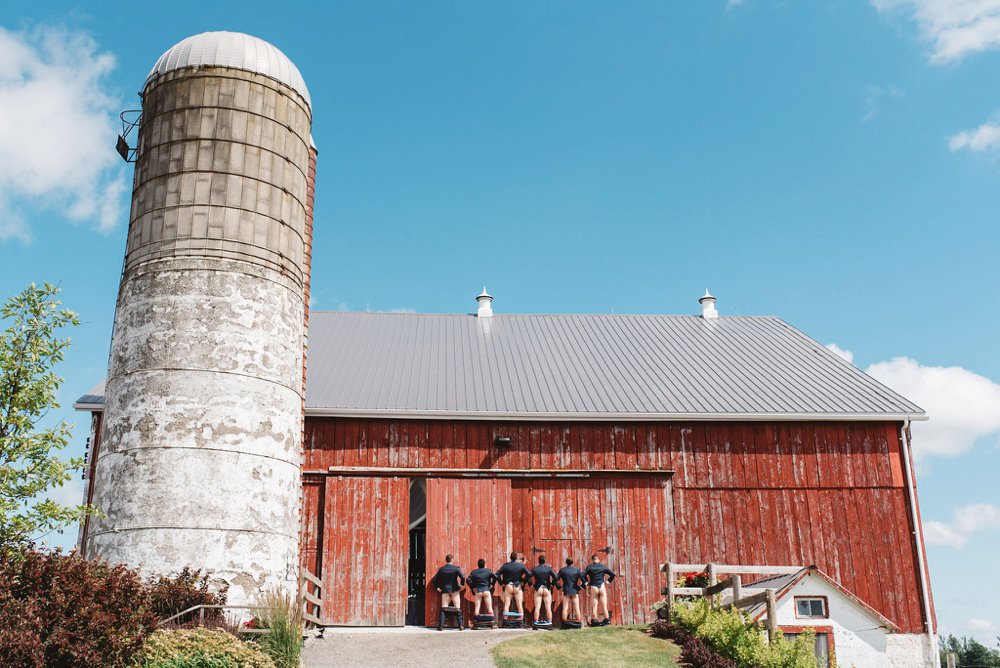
(582,364)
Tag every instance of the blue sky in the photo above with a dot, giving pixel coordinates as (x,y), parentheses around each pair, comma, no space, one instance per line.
(833,163)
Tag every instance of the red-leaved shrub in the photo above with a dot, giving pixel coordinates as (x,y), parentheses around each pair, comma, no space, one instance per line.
(62,610)
(171,595)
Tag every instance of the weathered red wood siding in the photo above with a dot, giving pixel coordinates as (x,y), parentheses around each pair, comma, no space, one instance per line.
(313,497)
(823,493)
(580,517)
(365,544)
(469,519)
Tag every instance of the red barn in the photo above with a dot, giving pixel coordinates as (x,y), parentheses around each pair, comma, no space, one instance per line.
(648,438)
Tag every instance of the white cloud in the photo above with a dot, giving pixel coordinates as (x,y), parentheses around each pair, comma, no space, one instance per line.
(967,521)
(955,28)
(734,3)
(69,493)
(57,130)
(840,352)
(986,136)
(874,95)
(977,624)
(963,406)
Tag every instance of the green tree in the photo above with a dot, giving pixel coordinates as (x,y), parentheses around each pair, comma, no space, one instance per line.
(30,347)
(969,653)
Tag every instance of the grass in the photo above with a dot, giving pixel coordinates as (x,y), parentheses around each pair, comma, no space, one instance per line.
(603,647)
(283,616)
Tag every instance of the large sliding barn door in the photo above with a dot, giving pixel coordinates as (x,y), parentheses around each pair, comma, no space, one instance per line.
(630,516)
(468,518)
(365,548)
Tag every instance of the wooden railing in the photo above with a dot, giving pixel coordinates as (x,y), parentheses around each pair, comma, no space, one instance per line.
(741,597)
(312,603)
(200,609)
(312,606)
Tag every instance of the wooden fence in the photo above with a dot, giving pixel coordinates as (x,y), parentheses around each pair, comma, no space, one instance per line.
(312,602)
(312,606)
(740,598)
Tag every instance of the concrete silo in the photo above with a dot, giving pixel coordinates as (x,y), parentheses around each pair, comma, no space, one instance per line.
(201,448)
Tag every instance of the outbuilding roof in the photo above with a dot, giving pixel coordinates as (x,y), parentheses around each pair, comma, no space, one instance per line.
(584,367)
(782,584)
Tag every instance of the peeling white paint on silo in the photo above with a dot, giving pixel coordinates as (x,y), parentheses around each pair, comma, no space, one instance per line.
(200,456)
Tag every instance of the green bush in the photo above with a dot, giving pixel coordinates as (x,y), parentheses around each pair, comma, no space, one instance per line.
(733,635)
(200,648)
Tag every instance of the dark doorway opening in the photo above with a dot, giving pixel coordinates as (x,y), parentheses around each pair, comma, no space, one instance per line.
(416,569)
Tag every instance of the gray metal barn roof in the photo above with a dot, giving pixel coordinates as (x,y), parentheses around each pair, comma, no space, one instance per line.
(641,367)
(583,367)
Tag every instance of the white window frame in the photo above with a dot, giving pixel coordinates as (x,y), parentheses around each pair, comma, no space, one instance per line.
(823,602)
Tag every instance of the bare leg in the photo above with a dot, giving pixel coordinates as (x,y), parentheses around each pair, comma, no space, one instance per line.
(484,597)
(452,600)
(505,597)
(595,595)
(604,602)
(565,607)
(577,615)
(538,604)
(519,599)
(547,600)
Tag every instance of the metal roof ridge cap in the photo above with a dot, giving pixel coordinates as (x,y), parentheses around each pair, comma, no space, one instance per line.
(611,416)
(549,315)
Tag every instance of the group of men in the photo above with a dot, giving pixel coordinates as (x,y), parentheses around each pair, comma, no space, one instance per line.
(514,576)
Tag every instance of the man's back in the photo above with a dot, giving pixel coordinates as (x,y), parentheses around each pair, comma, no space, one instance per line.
(512,572)
(571,579)
(482,579)
(542,576)
(448,578)
(596,574)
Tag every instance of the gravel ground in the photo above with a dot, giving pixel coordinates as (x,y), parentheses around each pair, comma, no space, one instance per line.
(409,647)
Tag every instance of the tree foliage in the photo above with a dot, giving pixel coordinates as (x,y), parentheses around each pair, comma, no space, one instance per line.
(970,653)
(30,348)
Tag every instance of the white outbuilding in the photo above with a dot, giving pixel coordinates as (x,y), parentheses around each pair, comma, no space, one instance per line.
(849,632)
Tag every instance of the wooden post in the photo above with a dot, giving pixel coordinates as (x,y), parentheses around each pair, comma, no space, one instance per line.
(772,616)
(737,588)
(201,616)
(670,589)
(712,579)
(952,660)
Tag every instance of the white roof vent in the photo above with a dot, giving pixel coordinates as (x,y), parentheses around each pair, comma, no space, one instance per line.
(485,308)
(707,302)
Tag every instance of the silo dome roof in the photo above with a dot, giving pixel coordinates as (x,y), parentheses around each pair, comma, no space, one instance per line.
(232,49)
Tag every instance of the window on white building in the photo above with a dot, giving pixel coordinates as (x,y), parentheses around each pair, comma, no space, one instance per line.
(810,607)
(821,648)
